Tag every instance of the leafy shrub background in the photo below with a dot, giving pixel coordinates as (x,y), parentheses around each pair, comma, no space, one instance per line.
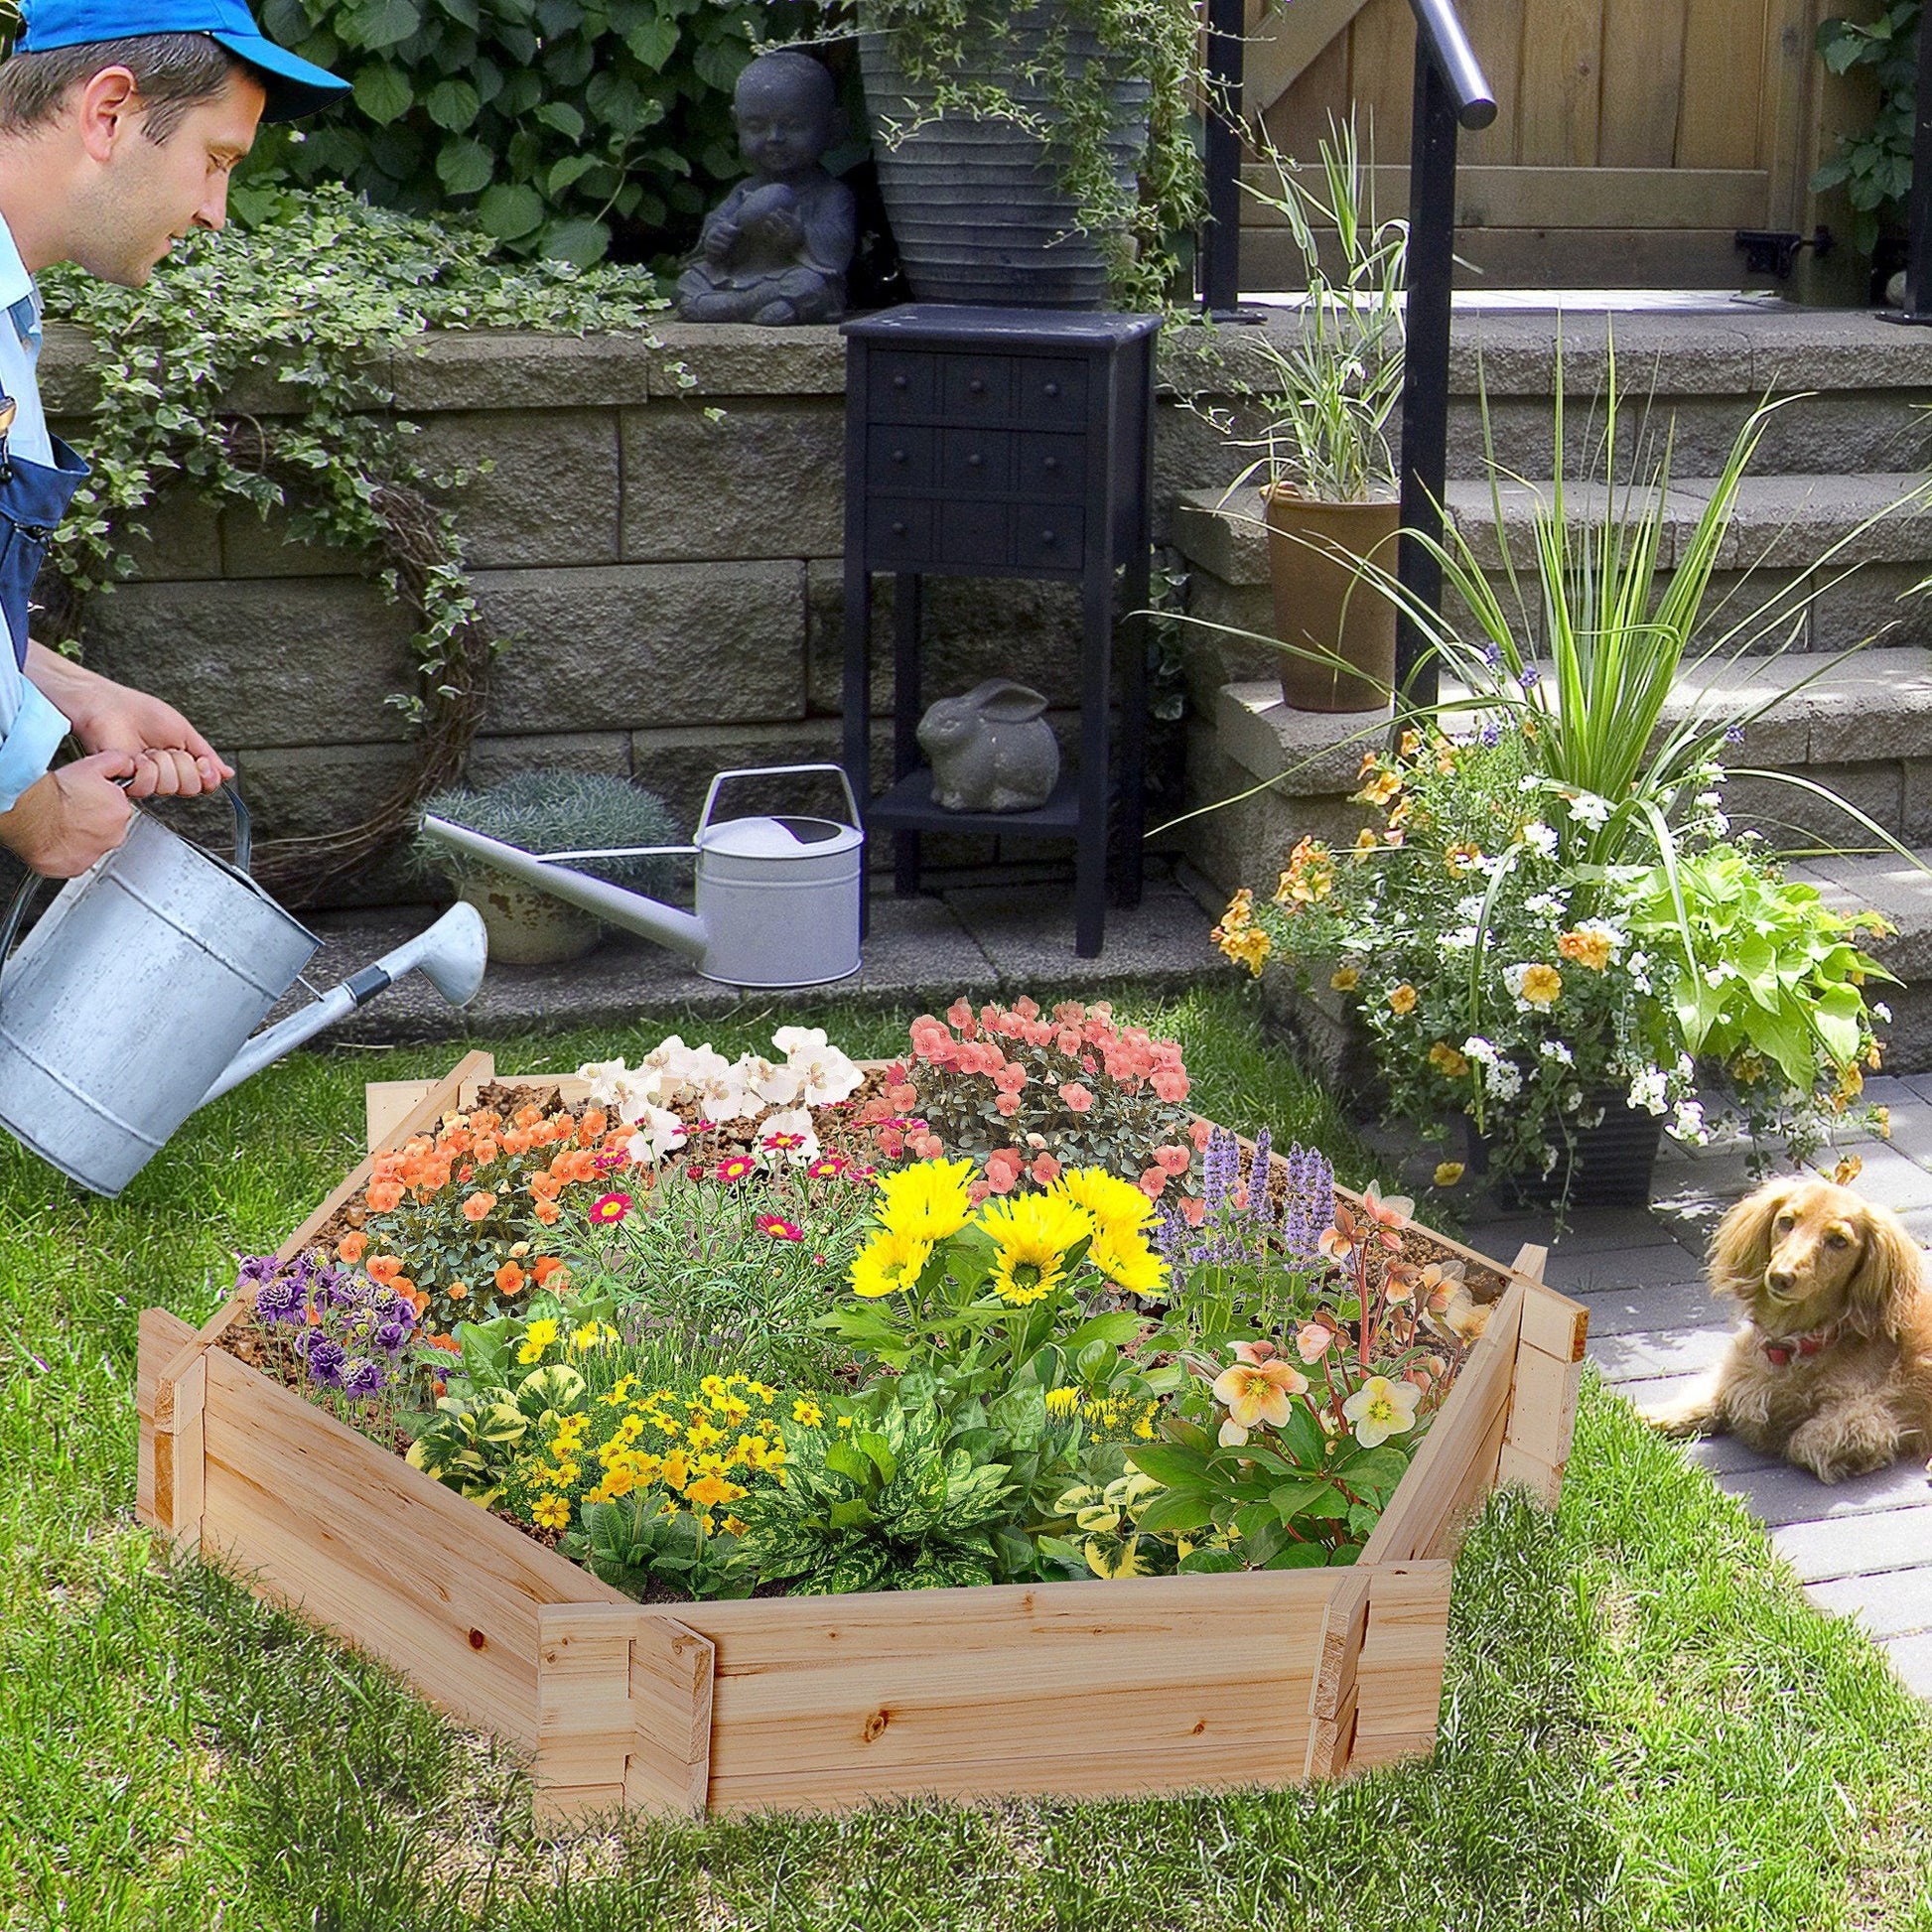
(1874,165)
(567,126)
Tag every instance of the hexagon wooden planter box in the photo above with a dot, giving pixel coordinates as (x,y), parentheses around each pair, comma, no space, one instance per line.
(1077,1688)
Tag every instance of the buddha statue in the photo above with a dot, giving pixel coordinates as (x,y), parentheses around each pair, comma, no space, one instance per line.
(776,248)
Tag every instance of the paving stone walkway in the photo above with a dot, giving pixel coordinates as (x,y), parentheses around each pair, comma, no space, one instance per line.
(1861,1548)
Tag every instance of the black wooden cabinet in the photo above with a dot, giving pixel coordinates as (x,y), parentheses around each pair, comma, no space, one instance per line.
(1003,443)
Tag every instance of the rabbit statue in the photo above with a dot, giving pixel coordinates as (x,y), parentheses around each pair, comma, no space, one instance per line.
(991,751)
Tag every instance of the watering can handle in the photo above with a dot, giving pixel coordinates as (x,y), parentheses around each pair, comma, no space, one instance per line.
(24,896)
(774,772)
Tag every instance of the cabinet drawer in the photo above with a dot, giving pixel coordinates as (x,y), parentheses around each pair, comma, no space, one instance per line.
(902,384)
(897,533)
(976,461)
(971,533)
(899,459)
(976,388)
(1048,537)
(1053,391)
(1053,466)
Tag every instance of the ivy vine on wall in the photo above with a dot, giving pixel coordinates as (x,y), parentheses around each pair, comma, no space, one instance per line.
(320,297)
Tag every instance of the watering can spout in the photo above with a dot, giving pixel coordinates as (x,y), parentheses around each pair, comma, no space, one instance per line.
(681,933)
(451,955)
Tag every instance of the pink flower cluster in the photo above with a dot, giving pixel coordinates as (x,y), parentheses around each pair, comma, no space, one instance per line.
(1128,1056)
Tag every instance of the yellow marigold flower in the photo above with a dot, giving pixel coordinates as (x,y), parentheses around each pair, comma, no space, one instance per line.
(1127,1262)
(1447,1061)
(927,1201)
(1402,999)
(675,1470)
(1345,979)
(1534,983)
(1113,1204)
(888,1262)
(733,1526)
(1448,1173)
(1032,1236)
(1463,857)
(551,1513)
(806,1410)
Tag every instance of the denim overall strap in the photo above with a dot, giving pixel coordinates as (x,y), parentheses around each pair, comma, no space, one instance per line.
(33,499)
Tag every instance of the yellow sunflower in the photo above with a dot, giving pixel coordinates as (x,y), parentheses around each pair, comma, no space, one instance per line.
(1033,1234)
(1117,1206)
(927,1202)
(888,1262)
(1127,1262)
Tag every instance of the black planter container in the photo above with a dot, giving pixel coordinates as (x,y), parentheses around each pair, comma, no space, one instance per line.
(1609,1164)
(977,209)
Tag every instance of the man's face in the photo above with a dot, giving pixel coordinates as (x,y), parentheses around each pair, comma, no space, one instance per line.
(150,195)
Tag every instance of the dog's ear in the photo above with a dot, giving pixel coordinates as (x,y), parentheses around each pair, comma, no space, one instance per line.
(1879,1295)
(1740,1250)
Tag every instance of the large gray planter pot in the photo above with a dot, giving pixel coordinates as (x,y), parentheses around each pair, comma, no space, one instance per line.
(976,205)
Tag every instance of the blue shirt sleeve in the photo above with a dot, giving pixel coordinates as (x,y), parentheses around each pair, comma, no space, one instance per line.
(31,742)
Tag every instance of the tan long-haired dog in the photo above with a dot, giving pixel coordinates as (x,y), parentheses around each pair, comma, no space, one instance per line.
(1833,1368)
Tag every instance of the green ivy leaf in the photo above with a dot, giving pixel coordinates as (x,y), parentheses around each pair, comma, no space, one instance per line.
(562,118)
(510,212)
(383,23)
(383,93)
(464,166)
(452,104)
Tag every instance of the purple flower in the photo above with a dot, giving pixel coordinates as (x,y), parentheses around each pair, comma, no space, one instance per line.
(363,1376)
(1311,1206)
(280,1298)
(392,1337)
(325,1357)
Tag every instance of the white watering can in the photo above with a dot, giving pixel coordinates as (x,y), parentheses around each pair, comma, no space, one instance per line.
(778,899)
(132,1002)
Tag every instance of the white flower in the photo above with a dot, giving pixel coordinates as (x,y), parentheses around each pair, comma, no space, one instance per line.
(1468,907)
(1503,1079)
(605,1077)
(1586,808)
(1528,782)
(1882,1013)
(795,1123)
(1480,1050)
(776,1086)
(1710,800)
(1551,905)
(726,1094)
(1538,835)
(1555,1049)
(1647,1091)
(1461,939)
(659,1132)
(825,1074)
(1688,1123)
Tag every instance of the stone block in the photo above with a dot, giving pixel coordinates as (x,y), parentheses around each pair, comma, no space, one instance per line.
(740,359)
(1223,533)
(183,543)
(1793,521)
(680,763)
(766,479)
(1192,451)
(972,629)
(1789,817)
(1877,601)
(1313,754)
(637,646)
(494,759)
(1227,643)
(280,662)
(253,545)
(487,369)
(551,493)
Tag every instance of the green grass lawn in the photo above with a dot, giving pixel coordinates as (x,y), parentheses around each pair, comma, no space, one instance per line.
(1644,1722)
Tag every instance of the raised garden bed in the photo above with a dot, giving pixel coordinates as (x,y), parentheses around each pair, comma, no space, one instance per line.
(1138,1684)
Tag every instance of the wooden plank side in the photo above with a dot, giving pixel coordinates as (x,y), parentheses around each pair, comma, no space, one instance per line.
(1556,1325)
(1724,64)
(584,1714)
(1381,80)
(672,1674)
(966,1692)
(162,1336)
(1561,84)
(179,1475)
(388,1558)
(385,1104)
(1283,43)
(1332,1697)
(1643,82)
(1302,116)
(1495,30)
(1399,1676)
(1422,1503)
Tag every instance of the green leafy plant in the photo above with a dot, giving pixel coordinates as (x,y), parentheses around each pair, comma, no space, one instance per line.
(1139,90)
(556,123)
(477,1434)
(1873,165)
(553,810)
(319,298)
(889,1503)
(634,1544)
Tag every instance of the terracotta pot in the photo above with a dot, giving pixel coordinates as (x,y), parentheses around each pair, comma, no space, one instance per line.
(528,928)
(1322,605)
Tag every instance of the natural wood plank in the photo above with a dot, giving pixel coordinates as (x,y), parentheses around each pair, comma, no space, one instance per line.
(1643,82)
(387,1557)
(180,1469)
(1531,1260)
(1553,1323)
(1561,84)
(1496,33)
(1300,120)
(672,1669)
(1399,1676)
(385,1104)
(1543,1406)
(1724,64)
(585,1723)
(162,1336)
(1421,1509)
(1331,1698)
(1284,42)
(1382,80)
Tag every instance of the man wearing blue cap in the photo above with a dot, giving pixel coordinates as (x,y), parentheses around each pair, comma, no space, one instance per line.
(120,121)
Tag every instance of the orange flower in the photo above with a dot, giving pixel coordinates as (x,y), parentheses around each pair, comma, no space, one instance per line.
(545,1187)
(578,1165)
(510,1277)
(484,1150)
(456,1292)
(516,1140)
(403,1286)
(385,1196)
(448,1343)
(352,1247)
(479,1207)
(594,1122)
(547,1212)
(486,1122)
(543,1267)
(382,1269)
(528,1115)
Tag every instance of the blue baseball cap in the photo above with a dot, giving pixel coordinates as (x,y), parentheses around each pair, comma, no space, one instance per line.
(295,86)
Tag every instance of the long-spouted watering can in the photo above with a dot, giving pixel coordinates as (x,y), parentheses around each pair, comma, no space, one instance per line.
(777,898)
(133,1001)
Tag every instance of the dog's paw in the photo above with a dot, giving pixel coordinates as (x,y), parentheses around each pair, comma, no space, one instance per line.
(1680,1420)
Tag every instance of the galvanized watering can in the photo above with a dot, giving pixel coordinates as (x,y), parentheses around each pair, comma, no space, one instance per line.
(778,899)
(132,1002)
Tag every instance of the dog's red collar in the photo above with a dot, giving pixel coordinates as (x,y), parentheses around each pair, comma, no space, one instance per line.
(1783,1349)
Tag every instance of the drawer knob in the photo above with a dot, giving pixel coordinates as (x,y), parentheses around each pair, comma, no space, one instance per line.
(899,456)
(1047,536)
(1053,388)
(977,385)
(975,461)
(898,529)
(898,382)
(1052,463)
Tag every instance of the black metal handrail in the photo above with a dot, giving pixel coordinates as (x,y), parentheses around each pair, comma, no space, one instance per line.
(1451,93)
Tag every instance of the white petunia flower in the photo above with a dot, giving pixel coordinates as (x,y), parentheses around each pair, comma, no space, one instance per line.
(1586,808)
(659,1132)
(1647,1091)
(1538,835)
